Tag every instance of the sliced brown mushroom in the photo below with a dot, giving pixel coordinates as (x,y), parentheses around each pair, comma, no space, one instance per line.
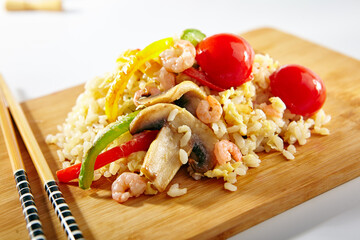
(186,94)
(162,160)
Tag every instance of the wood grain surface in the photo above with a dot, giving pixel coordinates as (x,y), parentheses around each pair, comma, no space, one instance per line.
(207,211)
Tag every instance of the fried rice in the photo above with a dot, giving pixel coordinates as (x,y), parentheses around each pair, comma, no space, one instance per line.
(252,118)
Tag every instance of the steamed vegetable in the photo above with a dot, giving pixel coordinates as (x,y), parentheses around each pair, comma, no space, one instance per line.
(116,129)
(135,61)
(140,142)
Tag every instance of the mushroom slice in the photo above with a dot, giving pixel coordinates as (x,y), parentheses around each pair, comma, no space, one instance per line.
(187,92)
(162,159)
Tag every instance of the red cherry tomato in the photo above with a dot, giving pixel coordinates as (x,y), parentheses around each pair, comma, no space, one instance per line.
(226,59)
(302,91)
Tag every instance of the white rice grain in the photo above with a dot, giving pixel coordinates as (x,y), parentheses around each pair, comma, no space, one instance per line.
(196,176)
(107,174)
(321,118)
(230,177)
(256,126)
(219,128)
(230,187)
(241,170)
(183,156)
(135,161)
(233,129)
(239,140)
(275,142)
(186,138)
(184,129)
(114,167)
(251,160)
(292,149)
(277,104)
(60,155)
(175,191)
(50,139)
(288,155)
(215,127)
(65,164)
(97,175)
(321,130)
(173,114)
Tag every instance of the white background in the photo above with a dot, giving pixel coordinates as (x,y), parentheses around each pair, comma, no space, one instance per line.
(43,52)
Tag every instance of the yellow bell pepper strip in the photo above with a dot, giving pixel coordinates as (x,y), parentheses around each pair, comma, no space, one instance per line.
(123,59)
(116,130)
(125,56)
(152,70)
(193,35)
(140,142)
(134,63)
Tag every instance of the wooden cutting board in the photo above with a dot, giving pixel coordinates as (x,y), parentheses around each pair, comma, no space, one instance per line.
(207,211)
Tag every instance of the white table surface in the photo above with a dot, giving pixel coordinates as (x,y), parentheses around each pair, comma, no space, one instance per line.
(43,52)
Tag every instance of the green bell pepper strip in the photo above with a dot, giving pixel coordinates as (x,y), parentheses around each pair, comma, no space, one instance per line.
(87,167)
(193,35)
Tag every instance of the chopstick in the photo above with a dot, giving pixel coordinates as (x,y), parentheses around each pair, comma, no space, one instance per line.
(26,197)
(55,196)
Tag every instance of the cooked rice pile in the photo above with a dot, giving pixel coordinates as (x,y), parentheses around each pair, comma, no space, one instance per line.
(253,119)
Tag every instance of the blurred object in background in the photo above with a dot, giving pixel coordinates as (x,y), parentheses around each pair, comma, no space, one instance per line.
(44,5)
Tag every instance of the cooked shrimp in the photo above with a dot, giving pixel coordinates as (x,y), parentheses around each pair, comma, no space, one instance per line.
(180,57)
(270,111)
(138,94)
(223,151)
(127,185)
(166,79)
(150,89)
(209,110)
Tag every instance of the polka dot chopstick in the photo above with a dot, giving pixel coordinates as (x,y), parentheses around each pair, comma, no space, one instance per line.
(54,194)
